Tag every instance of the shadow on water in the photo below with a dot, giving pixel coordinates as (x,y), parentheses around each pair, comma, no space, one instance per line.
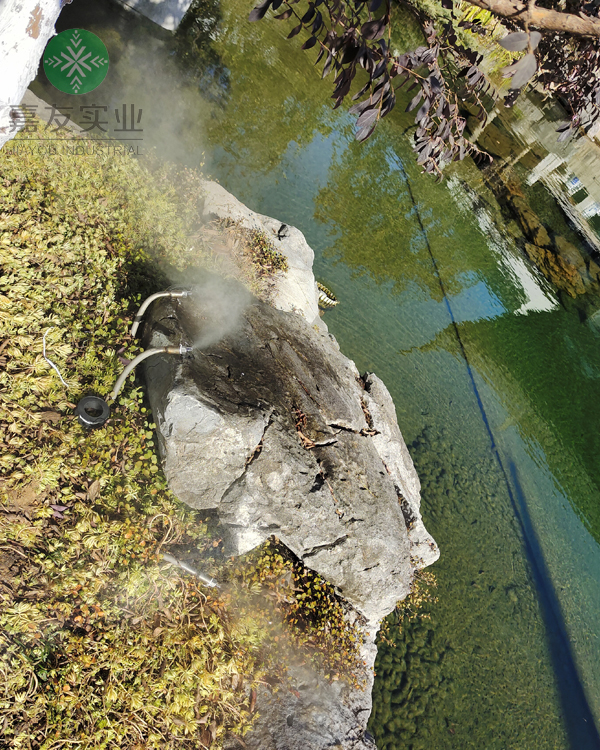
(581,728)
(579,721)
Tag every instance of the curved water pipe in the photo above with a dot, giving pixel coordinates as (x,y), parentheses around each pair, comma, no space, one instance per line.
(140,358)
(140,313)
(93,411)
(206,580)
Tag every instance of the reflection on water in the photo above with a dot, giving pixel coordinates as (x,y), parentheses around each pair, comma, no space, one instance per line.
(570,169)
(538,295)
(483,672)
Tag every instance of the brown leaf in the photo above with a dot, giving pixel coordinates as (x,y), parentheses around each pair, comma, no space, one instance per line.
(49,416)
(205,738)
(94,490)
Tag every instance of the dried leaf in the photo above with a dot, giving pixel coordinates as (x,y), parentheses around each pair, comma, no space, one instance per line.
(94,490)
(515,42)
(49,416)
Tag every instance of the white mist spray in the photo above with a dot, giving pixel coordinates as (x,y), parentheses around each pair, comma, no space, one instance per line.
(219,307)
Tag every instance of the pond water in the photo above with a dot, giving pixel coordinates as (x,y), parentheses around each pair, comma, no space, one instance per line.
(495,378)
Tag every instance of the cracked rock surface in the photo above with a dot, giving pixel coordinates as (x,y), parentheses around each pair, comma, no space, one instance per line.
(274,429)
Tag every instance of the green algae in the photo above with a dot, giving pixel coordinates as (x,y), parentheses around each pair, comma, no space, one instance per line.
(486,601)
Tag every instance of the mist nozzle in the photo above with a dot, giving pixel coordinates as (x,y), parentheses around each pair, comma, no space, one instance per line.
(140,313)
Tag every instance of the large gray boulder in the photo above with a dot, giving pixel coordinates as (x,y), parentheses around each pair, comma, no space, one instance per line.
(272,427)
(296,290)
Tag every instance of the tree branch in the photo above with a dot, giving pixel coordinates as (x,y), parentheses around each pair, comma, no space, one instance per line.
(25,28)
(541,18)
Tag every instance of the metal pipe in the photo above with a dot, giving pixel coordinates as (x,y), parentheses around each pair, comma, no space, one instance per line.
(140,358)
(140,313)
(207,580)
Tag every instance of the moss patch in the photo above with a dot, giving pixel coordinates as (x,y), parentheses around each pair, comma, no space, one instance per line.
(314,616)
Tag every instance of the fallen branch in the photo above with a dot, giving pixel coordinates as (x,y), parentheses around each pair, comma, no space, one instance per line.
(542,18)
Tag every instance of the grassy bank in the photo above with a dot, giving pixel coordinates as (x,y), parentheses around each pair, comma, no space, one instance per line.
(102,644)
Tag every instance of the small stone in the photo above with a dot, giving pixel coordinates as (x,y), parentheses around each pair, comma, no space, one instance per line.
(568,252)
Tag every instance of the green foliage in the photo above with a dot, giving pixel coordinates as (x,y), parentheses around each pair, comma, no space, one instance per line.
(263,254)
(415,607)
(245,254)
(318,626)
(100,643)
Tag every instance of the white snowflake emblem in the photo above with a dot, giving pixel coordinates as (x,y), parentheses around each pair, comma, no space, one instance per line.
(75,61)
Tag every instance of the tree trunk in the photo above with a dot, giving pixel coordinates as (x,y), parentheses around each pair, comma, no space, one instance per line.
(25,28)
